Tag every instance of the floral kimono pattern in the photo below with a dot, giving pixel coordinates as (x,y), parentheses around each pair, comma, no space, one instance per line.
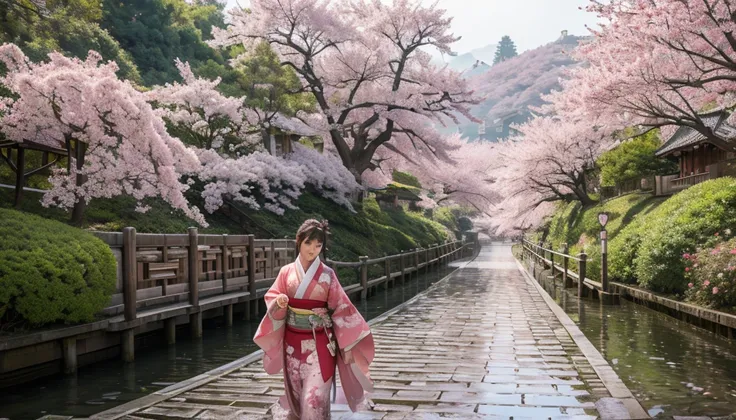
(308,362)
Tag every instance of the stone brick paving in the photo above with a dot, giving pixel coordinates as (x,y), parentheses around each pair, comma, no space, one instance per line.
(481,344)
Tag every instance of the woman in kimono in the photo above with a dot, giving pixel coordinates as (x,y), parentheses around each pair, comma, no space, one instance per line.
(311,329)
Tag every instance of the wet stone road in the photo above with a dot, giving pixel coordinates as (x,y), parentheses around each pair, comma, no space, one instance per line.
(481,344)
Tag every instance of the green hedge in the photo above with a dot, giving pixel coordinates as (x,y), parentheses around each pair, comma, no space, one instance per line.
(51,272)
(651,249)
(580,229)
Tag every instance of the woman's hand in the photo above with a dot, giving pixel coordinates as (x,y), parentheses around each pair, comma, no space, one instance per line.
(347,357)
(282,300)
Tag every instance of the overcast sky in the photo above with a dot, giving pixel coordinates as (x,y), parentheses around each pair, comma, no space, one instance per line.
(529,23)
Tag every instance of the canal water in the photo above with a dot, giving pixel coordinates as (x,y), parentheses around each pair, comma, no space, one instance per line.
(671,367)
(106,384)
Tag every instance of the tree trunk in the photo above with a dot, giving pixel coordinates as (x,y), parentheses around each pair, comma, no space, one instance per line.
(80,205)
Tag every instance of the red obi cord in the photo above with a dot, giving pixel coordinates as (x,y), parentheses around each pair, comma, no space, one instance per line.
(294,337)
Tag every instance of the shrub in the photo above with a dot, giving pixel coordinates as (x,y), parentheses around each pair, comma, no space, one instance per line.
(683,223)
(633,160)
(464,224)
(51,272)
(711,274)
(622,253)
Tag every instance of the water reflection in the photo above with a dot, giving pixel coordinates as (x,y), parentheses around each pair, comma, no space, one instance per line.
(104,385)
(672,368)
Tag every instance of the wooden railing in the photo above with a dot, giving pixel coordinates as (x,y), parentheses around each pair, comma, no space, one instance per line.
(559,262)
(160,270)
(400,265)
(690,180)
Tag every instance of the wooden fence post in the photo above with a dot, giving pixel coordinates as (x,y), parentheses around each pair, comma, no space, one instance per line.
(387,269)
(416,261)
(272,259)
(252,275)
(567,283)
(426,260)
(540,252)
(195,319)
(402,265)
(193,267)
(581,279)
(130,273)
(225,263)
(363,277)
(552,263)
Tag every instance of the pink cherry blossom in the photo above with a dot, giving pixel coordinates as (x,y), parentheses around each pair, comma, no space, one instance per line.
(128,148)
(378,94)
(690,285)
(209,119)
(715,290)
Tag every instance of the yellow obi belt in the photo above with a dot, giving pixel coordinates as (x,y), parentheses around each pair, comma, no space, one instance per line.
(306,319)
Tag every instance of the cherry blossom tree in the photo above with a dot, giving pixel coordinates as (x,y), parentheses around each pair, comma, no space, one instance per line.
(326,173)
(258,180)
(656,63)
(548,162)
(121,145)
(262,181)
(201,116)
(463,179)
(361,61)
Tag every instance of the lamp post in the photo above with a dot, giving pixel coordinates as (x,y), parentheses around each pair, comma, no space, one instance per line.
(603,219)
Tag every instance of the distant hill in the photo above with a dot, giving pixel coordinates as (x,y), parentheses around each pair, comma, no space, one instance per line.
(462,62)
(486,53)
(511,87)
(473,63)
(478,68)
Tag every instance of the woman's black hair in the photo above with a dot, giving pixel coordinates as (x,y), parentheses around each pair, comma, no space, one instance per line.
(310,230)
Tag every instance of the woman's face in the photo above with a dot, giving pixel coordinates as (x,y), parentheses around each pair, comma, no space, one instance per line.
(310,249)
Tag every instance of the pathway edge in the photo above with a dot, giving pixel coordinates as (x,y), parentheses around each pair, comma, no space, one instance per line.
(605,372)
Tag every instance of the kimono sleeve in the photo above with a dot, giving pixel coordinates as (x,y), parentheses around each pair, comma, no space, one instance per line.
(354,335)
(270,334)
(349,326)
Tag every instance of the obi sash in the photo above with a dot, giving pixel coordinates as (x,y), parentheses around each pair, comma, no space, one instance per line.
(301,325)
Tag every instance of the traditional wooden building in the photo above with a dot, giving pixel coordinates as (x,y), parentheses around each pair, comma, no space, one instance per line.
(394,195)
(286,130)
(699,158)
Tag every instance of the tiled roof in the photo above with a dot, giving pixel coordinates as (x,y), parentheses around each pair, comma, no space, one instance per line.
(686,136)
(293,125)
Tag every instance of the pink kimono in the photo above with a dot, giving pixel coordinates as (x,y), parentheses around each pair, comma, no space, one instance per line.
(308,354)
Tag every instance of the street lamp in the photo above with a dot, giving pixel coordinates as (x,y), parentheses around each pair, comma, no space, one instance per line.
(603,219)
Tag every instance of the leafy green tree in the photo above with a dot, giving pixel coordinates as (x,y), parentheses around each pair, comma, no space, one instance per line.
(67,26)
(506,49)
(270,86)
(156,32)
(633,159)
